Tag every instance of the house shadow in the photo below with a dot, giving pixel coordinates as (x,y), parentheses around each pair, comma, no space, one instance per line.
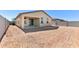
(46,28)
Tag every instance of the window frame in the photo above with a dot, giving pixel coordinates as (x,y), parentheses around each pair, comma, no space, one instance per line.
(42,20)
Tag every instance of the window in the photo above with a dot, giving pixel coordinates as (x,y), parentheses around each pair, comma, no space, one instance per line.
(41,20)
(47,20)
(25,17)
(31,22)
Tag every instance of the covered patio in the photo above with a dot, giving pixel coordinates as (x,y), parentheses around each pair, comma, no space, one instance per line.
(31,22)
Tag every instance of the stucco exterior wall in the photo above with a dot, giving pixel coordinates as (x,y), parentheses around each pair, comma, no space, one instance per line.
(73,23)
(38,15)
(3,26)
(19,22)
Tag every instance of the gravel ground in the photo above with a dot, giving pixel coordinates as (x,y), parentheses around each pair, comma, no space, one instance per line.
(63,37)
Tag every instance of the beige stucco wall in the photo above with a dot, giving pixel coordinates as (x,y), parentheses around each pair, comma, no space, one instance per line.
(35,14)
(3,25)
(19,21)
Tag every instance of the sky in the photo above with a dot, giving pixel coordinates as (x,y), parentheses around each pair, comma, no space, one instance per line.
(68,15)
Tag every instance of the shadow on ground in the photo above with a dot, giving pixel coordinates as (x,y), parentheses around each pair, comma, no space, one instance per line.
(41,29)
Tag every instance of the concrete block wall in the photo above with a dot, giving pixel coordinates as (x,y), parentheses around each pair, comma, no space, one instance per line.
(73,23)
(61,23)
(4,23)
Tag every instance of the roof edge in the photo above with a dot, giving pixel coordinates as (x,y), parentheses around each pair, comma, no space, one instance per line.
(33,12)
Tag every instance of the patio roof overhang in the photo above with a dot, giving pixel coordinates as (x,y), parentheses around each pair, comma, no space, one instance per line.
(32,17)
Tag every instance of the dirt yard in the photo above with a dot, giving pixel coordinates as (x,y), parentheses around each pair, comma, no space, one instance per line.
(63,37)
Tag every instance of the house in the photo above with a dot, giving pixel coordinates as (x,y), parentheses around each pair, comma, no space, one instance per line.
(61,22)
(33,19)
(4,23)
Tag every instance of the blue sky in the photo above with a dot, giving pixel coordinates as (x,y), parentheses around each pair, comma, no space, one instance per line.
(69,15)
